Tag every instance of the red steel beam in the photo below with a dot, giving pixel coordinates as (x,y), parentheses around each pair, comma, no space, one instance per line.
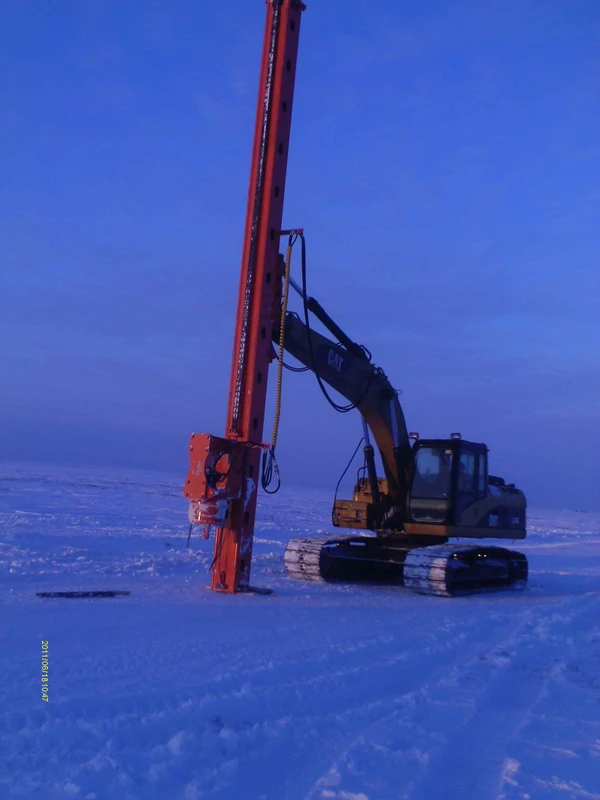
(223,478)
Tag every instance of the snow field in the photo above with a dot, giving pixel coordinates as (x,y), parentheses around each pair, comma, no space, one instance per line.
(318,692)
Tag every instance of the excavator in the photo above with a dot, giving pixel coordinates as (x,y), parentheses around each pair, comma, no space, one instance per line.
(432,491)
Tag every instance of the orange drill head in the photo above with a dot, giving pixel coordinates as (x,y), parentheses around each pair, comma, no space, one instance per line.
(214,478)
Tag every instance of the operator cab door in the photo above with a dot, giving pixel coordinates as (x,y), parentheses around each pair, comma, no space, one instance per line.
(470,477)
(431,489)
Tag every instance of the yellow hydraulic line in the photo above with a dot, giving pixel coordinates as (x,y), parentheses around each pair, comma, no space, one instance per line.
(286,291)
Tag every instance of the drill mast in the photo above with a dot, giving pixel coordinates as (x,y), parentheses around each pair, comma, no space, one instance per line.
(223,476)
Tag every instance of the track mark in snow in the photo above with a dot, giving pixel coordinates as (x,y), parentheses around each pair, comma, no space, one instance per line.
(575,790)
(485,700)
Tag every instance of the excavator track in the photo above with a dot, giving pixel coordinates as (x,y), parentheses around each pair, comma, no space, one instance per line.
(445,570)
(449,570)
(303,557)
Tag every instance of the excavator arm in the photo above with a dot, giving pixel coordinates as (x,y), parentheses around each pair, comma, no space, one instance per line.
(347,368)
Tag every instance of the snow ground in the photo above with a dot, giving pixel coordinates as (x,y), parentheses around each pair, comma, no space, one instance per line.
(319,692)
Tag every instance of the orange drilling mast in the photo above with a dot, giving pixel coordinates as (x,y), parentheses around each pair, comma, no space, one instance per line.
(222,480)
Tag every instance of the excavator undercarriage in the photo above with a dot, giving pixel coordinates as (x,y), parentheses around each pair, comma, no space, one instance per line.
(447,570)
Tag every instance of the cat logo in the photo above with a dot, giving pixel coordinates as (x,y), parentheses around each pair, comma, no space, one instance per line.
(335,360)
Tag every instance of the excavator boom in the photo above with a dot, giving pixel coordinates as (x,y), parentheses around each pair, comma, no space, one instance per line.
(350,372)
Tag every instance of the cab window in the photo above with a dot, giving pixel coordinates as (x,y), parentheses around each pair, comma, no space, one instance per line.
(481,477)
(466,472)
(431,478)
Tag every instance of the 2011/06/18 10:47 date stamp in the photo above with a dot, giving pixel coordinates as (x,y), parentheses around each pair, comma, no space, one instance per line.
(44,670)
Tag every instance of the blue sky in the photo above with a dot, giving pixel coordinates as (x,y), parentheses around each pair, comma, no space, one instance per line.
(445,163)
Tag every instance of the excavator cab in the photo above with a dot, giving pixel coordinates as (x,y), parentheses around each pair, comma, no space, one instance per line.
(452,494)
(449,475)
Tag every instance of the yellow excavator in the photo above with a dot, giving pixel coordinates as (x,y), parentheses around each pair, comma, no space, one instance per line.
(431,492)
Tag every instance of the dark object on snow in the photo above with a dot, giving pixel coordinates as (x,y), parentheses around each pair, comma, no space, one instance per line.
(80,594)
